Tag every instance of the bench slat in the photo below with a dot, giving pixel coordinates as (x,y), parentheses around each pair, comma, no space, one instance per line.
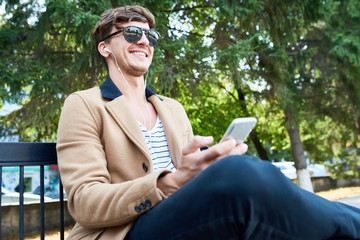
(28,154)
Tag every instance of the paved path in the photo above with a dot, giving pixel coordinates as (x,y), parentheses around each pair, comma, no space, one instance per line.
(353,201)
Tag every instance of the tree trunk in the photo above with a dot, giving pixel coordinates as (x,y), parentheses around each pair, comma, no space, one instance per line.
(297,150)
(258,145)
(253,136)
(357,126)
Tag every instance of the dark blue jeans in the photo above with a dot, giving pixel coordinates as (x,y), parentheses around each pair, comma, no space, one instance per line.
(242,197)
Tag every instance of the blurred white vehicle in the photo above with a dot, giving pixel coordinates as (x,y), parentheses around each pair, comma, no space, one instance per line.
(13,197)
(287,168)
(319,170)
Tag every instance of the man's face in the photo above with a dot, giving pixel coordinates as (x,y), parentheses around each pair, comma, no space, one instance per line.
(134,59)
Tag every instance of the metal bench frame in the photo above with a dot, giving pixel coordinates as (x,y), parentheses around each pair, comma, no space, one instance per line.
(31,154)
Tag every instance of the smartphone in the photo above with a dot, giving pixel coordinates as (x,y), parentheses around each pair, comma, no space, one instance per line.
(240,128)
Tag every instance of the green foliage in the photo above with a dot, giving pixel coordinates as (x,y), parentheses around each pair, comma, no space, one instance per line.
(221,59)
(45,61)
(348,166)
(335,86)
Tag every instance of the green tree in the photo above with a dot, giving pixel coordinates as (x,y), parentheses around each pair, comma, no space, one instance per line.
(45,60)
(336,67)
(221,59)
(338,64)
(257,41)
(48,53)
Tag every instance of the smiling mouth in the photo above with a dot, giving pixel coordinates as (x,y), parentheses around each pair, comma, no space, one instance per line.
(139,54)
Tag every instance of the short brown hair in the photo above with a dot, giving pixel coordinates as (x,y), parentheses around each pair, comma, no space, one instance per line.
(116,16)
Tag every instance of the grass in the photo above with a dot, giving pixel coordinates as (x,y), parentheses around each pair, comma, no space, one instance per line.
(332,195)
(339,193)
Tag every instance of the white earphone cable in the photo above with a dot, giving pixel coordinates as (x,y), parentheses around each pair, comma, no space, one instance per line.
(133,94)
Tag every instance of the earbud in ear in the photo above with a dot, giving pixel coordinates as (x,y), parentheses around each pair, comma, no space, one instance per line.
(107,50)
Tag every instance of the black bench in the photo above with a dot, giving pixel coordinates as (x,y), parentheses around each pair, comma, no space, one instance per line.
(22,154)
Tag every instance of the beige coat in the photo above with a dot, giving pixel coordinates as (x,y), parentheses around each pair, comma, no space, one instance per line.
(105,164)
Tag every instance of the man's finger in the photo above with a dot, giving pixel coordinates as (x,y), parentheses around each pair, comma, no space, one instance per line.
(240,149)
(223,148)
(196,143)
(244,148)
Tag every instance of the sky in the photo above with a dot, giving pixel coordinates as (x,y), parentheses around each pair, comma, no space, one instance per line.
(7,108)
(2,8)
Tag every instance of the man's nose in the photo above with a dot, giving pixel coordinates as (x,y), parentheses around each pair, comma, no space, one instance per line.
(143,40)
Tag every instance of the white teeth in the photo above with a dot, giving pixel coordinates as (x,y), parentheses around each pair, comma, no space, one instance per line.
(139,53)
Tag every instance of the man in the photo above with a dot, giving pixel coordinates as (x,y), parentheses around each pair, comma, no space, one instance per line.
(132,168)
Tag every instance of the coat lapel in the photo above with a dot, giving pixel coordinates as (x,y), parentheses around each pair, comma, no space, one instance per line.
(122,114)
(119,109)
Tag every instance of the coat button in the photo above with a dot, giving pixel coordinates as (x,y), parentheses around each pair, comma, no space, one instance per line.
(137,208)
(145,167)
(148,203)
(142,206)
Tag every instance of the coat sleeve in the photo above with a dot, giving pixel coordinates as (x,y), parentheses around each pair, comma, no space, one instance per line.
(93,200)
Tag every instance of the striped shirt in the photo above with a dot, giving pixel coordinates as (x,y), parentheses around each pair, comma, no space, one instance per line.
(158,146)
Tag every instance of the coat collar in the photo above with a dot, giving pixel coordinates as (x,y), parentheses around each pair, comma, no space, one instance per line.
(110,91)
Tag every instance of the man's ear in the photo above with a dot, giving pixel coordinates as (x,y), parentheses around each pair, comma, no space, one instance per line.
(103,50)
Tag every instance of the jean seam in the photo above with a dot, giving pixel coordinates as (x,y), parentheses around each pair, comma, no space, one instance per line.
(179,236)
(265,227)
(280,233)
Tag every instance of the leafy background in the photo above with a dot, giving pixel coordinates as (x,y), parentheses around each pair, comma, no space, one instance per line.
(292,64)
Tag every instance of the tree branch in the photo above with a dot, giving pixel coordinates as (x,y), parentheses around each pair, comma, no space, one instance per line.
(188,8)
(227,91)
(189,32)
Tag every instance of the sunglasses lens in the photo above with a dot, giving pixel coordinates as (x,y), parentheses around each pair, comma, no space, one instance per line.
(132,34)
(153,37)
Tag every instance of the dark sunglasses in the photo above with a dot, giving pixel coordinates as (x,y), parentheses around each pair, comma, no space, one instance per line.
(133,34)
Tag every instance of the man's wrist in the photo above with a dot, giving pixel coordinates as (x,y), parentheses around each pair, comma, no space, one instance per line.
(167,184)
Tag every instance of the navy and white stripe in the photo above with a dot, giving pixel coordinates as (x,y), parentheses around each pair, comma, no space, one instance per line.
(158,146)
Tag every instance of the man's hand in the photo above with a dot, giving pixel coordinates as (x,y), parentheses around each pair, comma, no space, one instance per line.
(194,161)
